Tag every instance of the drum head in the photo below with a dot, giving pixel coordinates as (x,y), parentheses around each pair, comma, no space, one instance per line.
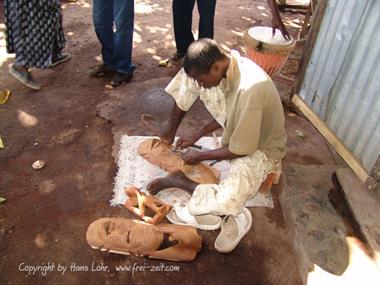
(264,34)
(262,40)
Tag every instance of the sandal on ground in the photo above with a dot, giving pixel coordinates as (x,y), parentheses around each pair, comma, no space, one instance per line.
(233,230)
(181,216)
(26,78)
(119,78)
(178,56)
(131,237)
(60,58)
(101,70)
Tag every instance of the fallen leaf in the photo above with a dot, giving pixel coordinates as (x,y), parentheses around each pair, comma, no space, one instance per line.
(164,63)
(4,96)
(1,143)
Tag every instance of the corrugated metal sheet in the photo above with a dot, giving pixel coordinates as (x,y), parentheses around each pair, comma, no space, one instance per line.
(342,79)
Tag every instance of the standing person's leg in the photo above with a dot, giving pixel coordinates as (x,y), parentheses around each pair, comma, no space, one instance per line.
(16,42)
(103,23)
(182,20)
(123,15)
(206,10)
(59,41)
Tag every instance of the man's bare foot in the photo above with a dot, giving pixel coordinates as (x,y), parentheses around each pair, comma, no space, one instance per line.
(159,129)
(175,179)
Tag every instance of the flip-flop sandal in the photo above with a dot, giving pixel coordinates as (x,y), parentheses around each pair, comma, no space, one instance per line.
(181,216)
(60,58)
(26,79)
(101,70)
(131,237)
(233,230)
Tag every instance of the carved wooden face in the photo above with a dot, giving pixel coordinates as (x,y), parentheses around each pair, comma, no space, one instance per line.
(162,241)
(160,154)
(134,236)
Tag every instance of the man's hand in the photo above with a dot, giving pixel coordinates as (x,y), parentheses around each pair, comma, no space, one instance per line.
(184,142)
(276,20)
(192,156)
(278,24)
(165,131)
(189,140)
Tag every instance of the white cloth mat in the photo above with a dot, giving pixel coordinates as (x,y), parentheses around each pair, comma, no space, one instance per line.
(135,170)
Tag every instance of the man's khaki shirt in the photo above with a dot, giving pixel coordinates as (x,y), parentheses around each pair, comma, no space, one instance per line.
(246,103)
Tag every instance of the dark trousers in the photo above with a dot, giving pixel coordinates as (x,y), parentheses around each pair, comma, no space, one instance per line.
(116,45)
(182,20)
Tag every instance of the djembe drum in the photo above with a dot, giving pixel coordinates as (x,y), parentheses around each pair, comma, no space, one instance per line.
(268,51)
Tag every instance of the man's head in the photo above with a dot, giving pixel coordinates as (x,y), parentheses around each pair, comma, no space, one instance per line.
(206,62)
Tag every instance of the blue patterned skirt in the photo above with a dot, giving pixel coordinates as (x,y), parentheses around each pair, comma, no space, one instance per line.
(34,31)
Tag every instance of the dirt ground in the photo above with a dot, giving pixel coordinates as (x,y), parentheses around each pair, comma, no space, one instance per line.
(47,212)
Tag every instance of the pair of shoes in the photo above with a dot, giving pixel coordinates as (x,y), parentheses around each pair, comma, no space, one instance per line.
(181,216)
(178,56)
(25,77)
(60,58)
(233,230)
(119,78)
(101,70)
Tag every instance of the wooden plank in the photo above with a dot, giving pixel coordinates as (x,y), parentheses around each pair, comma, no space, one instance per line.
(336,143)
(365,207)
(296,4)
(375,174)
(305,24)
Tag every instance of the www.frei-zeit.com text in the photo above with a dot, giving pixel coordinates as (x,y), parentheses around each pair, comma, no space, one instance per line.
(45,268)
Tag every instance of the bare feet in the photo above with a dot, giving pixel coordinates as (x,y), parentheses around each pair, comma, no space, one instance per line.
(160,130)
(175,179)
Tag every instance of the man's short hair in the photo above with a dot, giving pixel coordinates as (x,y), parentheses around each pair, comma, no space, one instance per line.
(201,55)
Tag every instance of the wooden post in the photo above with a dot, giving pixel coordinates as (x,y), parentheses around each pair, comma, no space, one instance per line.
(375,175)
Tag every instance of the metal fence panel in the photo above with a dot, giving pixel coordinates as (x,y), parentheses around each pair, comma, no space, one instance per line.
(342,79)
